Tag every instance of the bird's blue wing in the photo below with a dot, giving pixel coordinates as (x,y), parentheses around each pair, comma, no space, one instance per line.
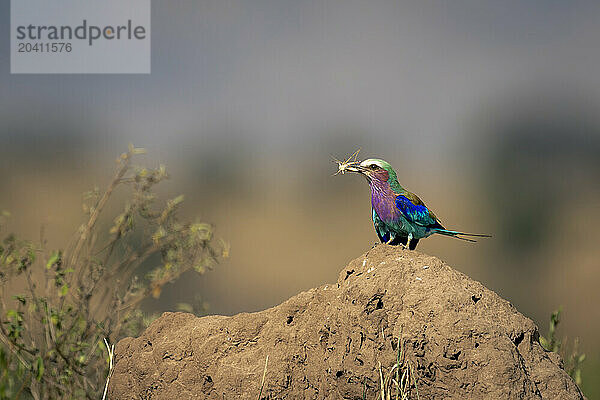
(417,213)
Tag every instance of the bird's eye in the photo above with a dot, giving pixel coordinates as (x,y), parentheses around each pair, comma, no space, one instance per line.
(373,166)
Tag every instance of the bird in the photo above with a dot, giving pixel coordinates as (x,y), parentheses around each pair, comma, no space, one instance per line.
(399,216)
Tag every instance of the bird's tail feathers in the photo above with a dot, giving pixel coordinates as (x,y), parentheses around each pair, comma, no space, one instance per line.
(458,235)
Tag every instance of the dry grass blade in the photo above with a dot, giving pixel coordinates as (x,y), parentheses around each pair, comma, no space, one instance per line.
(400,379)
(382,385)
(111,352)
(412,373)
(262,384)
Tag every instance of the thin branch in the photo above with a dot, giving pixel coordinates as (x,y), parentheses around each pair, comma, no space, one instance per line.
(13,348)
(99,207)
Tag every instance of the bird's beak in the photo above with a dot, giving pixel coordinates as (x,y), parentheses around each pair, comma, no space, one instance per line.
(359,169)
(355,168)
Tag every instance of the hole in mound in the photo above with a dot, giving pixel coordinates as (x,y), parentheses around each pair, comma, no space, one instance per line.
(476,345)
(348,273)
(290,319)
(376,303)
(339,374)
(519,338)
(453,355)
(475,298)
(207,384)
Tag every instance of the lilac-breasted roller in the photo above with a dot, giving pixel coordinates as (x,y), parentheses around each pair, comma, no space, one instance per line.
(399,216)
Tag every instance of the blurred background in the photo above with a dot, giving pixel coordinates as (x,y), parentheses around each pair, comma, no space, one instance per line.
(488,110)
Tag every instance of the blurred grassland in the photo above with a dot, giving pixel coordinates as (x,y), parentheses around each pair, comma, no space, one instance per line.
(293,226)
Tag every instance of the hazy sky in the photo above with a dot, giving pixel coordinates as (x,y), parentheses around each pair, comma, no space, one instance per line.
(402,72)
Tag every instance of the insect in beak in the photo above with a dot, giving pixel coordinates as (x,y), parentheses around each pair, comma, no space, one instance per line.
(349,165)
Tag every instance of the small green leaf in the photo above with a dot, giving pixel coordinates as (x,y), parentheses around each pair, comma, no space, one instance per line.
(39,368)
(31,255)
(55,259)
(63,290)
(200,269)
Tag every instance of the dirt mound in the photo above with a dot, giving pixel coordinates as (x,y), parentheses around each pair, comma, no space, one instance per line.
(463,339)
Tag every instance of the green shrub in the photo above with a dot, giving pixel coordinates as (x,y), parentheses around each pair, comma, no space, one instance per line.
(52,336)
(571,356)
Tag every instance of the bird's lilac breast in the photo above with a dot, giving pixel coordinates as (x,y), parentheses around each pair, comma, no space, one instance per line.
(384,204)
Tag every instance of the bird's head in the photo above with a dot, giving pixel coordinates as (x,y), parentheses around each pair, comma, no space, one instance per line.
(376,171)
